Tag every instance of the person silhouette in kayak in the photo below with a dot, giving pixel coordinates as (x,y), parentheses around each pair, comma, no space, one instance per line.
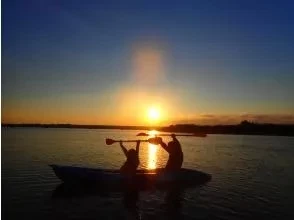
(130,166)
(128,169)
(174,149)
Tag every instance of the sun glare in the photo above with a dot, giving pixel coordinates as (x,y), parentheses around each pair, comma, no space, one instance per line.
(152,133)
(153,114)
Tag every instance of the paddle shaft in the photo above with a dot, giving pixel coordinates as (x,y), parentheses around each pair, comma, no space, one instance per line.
(129,141)
(185,135)
(188,135)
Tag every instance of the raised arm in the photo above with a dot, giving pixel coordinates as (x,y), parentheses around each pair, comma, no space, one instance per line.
(158,140)
(123,148)
(164,146)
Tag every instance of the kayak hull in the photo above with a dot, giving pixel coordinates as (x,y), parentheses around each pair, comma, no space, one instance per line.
(109,178)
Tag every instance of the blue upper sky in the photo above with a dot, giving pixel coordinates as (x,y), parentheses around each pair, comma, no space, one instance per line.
(220,57)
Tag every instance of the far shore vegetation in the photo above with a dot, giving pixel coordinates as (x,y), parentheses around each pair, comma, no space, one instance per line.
(244,128)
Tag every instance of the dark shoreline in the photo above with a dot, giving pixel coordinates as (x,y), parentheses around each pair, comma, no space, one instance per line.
(244,128)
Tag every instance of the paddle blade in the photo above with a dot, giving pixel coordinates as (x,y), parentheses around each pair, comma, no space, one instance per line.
(155,140)
(109,141)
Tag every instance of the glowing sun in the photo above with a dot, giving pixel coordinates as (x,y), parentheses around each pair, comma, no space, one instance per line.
(153,114)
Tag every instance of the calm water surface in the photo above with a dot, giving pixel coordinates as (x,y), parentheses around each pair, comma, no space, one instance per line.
(252,176)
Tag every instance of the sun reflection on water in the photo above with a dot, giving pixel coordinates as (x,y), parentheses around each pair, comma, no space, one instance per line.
(152,156)
(152,133)
(152,152)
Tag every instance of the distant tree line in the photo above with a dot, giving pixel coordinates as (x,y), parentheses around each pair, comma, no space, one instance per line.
(245,127)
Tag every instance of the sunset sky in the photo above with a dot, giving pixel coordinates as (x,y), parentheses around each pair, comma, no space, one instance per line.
(147,62)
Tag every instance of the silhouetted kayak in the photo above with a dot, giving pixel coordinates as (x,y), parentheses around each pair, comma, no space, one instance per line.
(109,178)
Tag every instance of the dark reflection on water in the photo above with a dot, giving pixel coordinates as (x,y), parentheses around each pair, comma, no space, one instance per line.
(130,198)
(171,200)
(130,202)
(69,191)
(172,204)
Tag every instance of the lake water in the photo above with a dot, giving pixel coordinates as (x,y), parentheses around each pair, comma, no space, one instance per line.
(252,176)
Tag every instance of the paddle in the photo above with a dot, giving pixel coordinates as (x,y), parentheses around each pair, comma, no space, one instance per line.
(142,134)
(110,141)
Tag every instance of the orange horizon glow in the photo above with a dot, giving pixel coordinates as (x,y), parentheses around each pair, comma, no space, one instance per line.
(59,117)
